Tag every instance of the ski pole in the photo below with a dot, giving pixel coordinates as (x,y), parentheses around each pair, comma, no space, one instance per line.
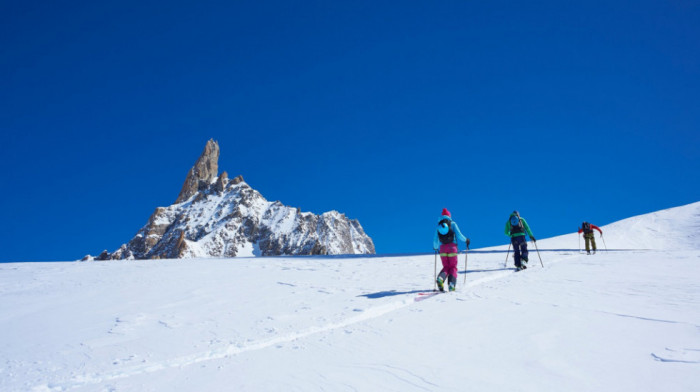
(538,253)
(466,254)
(603,238)
(435,273)
(579,242)
(505,264)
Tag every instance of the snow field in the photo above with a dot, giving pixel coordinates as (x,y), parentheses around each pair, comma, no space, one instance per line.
(188,325)
(615,321)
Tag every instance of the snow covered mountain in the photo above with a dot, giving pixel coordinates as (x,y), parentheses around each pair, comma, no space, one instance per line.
(217,217)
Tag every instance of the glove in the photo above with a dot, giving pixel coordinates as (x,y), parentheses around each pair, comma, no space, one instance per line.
(533,239)
(468,242)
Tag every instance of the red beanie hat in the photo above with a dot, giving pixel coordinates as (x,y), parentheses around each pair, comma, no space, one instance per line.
(445,212)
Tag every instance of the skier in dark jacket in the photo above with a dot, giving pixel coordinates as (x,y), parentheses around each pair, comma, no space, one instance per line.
(516,228)
(446,237)
(587,230)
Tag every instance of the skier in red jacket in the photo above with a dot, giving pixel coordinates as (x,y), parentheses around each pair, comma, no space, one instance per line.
(587,229)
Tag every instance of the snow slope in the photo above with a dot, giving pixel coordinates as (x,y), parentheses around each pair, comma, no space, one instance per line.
(671,229)
(617,321)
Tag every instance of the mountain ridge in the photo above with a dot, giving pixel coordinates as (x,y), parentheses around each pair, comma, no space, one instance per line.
(214,216)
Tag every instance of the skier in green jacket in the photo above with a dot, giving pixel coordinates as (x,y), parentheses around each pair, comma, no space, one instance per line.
(516,228)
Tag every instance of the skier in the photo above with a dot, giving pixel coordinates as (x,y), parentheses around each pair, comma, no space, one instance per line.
(446,237)
(516,228)
(587,229)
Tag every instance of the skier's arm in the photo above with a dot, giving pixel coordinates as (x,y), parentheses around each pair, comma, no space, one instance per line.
(508,228)
(436,242)
(580,231)
(527,228)
(597,228)
(459,234)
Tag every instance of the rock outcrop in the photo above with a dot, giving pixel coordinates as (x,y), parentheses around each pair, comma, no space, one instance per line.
(202,173)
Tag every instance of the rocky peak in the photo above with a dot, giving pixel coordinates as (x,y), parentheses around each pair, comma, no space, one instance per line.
(215,216)
(202,173)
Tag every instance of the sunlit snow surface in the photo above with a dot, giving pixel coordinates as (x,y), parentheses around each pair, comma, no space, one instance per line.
(623,320)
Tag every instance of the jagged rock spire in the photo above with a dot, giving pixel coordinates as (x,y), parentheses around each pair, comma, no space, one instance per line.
(226,218)
(202,173)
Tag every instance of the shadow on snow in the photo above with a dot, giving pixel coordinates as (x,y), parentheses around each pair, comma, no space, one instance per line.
(392,293)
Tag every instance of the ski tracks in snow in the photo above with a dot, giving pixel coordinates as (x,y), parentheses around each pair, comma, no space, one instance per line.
(684,355)
(221,353)
(233,349)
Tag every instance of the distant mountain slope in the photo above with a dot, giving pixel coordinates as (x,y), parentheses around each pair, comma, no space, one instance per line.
(217,217)
(675,228)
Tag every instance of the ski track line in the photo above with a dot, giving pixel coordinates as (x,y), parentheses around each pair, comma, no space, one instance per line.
(236,349)
(230,350)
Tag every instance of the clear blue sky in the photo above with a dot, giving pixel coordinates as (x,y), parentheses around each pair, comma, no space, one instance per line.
(386,111)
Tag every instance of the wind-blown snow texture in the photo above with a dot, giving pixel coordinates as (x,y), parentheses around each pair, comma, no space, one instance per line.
(623,320)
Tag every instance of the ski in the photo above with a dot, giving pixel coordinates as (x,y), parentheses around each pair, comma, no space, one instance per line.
(426,295)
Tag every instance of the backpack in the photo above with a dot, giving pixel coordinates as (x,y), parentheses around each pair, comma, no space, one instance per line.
(448,237)
(516,225)
(587,228)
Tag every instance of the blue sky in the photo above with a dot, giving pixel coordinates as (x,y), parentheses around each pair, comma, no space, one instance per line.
(386,111)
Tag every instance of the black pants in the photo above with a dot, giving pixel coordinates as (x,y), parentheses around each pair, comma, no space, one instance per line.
(519,249)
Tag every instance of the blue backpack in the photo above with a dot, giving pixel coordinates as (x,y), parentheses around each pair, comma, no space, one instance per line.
(515,221)
(516,225)
(449,236)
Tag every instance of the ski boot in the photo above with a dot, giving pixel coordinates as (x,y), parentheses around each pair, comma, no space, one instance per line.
(441,283)
(452,287)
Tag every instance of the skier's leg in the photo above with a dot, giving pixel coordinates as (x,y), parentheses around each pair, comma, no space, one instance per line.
(442,276)
(453,283)
(516,251)
(446,256)
(441,280)
(452,272)
(523,250)
(588,243)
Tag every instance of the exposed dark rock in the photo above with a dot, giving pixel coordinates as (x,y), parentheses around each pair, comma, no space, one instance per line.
(202,173)
(221,183)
